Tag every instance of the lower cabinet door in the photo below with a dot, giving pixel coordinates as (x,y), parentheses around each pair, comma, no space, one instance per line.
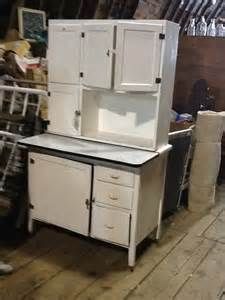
(110,225)
(59,191)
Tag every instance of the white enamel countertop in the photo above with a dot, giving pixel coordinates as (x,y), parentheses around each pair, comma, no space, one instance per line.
(90,149)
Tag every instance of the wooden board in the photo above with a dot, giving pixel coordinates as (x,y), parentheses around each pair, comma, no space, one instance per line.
(187,263)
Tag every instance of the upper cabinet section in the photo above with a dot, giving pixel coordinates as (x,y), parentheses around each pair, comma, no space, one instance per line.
(64,53)
(98,55)
(138,57)
(120,55)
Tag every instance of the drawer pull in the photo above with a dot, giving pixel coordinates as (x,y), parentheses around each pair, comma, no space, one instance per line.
(113,197)
(109,227)
(115,177)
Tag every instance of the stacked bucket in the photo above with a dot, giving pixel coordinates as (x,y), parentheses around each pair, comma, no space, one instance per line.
(206,161)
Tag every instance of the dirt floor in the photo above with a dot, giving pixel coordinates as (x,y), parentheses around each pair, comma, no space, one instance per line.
(188,263)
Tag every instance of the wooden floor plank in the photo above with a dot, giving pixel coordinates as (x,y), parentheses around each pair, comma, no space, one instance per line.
(208,281)
(161,278)
(44,267)
(120,281)
(216,231)
(95,262)
(45,240)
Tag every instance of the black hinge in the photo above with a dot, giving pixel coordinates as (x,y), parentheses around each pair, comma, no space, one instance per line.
(81,74)
(49,94)
(162,36)
(82,34)
(158,80)
(32,161)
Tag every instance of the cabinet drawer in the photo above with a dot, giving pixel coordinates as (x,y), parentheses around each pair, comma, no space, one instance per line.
(113,194)
(110,225)
(114,176)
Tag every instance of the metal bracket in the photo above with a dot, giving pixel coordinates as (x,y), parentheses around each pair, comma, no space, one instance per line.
(162,36)
(158,80)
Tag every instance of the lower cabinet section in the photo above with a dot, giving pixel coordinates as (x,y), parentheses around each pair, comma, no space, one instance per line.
(110,225)
(59,191)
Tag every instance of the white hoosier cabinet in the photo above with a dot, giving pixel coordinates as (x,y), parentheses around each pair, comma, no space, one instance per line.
(100,168)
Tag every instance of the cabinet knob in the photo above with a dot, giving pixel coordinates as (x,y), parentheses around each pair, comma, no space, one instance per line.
(87,203)
(109,227)
(115,177)
(113,197)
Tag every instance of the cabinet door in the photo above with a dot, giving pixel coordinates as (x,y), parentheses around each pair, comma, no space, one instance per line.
(64,53)
(64,109)
(58,191)
(98,54)
(138,57)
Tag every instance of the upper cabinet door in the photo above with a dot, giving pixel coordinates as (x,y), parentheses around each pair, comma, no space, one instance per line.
(64,53)
(138,57)
(64,109)
(98,55)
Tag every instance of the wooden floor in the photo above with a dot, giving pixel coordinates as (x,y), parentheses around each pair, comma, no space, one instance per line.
(188,263)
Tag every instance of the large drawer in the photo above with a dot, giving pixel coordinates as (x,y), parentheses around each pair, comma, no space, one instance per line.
(110,225)
(113,194)
(114,176)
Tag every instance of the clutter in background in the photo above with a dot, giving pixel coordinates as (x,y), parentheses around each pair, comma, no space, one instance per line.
(21,108)
(206,161)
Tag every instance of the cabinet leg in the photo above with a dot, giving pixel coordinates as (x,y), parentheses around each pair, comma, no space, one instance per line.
(132,257)
(30,225)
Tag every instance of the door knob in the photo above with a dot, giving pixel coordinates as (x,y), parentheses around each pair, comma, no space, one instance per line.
(77,113)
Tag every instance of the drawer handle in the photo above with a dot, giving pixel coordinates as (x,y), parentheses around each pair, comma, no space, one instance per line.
(113,197)
(115,177)
(109,227)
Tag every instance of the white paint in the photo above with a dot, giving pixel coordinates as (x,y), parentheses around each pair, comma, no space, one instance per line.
(58,190)
(97,56)
(64,53)
(138,56)
(121,102)
(64,102)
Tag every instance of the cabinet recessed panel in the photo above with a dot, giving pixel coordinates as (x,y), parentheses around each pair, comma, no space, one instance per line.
(138,57)
(58,191)
(97,60)
(64,53)
(63,110)
(128,119)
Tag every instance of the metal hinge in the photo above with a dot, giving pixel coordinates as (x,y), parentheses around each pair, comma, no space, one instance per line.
(82,34)
(81,74)
(162,36)
(158,80)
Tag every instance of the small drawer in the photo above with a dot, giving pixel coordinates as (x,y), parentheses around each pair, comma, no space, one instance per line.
(110,225)
(113,194)
(114,176)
